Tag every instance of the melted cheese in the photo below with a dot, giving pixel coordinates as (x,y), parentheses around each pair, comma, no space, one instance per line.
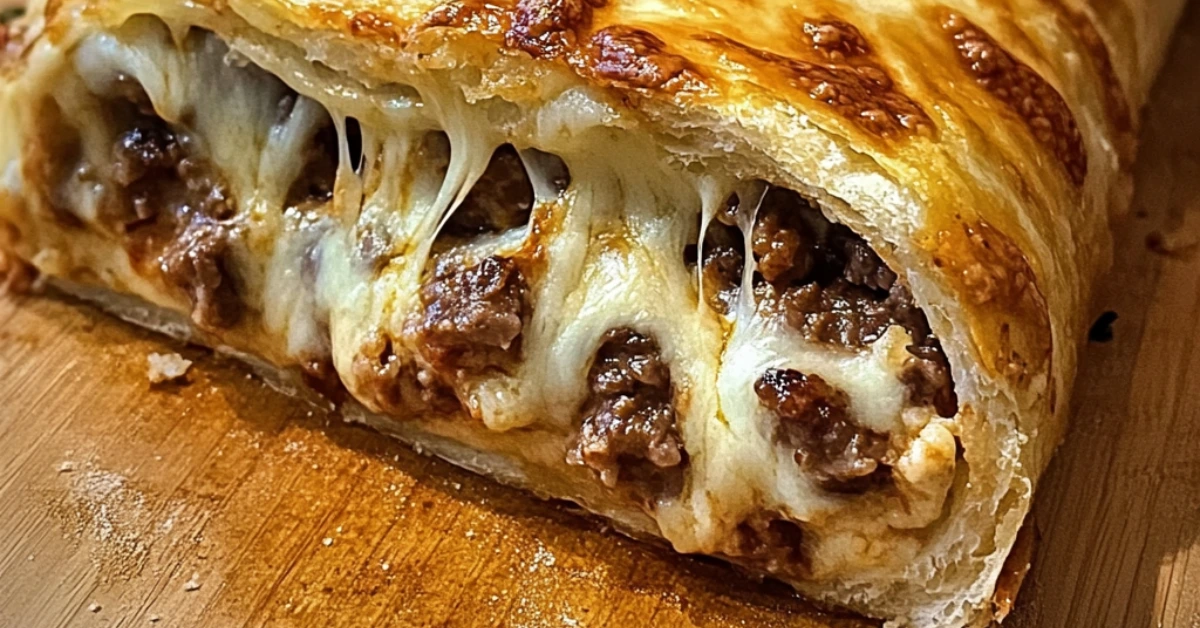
(613,248)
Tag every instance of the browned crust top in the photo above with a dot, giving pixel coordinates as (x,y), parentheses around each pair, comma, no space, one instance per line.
(844,75)
(1022,90)
(836,65)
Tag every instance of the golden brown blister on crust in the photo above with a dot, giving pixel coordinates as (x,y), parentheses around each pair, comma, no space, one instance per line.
(1011,324)
(854,85)
(550,28)
(1022,90)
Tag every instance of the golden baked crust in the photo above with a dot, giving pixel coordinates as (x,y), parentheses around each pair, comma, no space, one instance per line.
(977,147)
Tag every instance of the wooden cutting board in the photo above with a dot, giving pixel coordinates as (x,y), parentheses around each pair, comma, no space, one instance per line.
(220,502)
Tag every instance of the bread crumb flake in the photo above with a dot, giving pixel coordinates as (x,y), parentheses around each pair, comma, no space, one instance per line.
(94,607)
(167,367)
(192,584)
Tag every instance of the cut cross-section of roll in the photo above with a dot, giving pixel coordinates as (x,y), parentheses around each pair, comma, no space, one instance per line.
(797,285)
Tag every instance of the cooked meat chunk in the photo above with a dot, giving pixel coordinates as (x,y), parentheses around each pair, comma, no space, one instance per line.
(144,150)
(395,386)
(860,265)
(625,426)
(771,542)
(927,375)
(175,213)
(627,362)
(844,314)
(197,260)
(473,316)
(853,316)
(840,313)
(783,244)
(814,418)
(501,200)
(722,266)
(629,420)
(826,282)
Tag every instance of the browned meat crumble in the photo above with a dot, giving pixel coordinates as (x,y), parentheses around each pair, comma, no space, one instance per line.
(396,386)
(628,424)
(142,150)
(175,210)
(771,542)
(197,262)
(785,248)
(473,316)
(721,271)
(927,376)
(814,418)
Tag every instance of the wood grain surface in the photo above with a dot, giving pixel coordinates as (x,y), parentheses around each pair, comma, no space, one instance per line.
(219,502)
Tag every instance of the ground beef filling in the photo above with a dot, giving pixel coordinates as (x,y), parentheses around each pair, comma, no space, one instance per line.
(814,419)
(197,261)
(473,316)
(176,212)
(628,428)
(770,542)
(721,270)
(502,199)
(828,283)
(394,386)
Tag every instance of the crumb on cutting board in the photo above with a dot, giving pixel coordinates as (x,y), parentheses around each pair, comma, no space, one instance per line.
(192,584)
(167,367)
